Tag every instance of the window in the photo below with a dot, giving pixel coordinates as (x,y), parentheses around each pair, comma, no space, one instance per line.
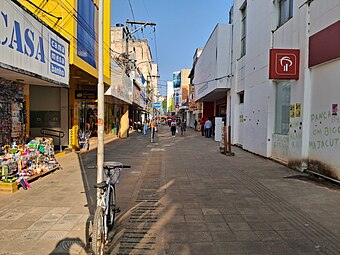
(243,29)
(285,11)
(241,96)
(282,108)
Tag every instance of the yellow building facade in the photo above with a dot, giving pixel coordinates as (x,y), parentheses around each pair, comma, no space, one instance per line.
(78,22)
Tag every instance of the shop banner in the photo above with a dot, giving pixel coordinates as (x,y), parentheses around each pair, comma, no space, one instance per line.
(30,47)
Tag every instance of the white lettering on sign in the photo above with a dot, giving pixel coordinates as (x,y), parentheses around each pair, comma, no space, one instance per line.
(286,62)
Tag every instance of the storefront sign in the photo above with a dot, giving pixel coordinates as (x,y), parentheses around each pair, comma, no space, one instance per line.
(83,94)
(284,64)
(30,46)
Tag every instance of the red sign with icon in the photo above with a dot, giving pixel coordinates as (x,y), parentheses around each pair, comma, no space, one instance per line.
(284,64)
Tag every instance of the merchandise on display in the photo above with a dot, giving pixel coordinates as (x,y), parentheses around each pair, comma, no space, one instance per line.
(20,163)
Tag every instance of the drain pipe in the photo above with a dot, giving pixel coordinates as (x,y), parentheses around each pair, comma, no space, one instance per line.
(306,110)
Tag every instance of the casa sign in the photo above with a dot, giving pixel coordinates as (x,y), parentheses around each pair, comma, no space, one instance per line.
(284,64)
(29,46)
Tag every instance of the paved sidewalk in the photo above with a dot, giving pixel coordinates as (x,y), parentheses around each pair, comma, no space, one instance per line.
(193,200)
(181,196)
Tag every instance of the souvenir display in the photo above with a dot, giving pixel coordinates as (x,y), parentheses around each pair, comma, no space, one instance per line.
(20,163)
(12,112)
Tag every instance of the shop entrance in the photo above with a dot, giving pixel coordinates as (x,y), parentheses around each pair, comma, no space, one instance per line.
(88,114)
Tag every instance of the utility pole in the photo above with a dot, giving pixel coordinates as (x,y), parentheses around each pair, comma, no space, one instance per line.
(100,89)
(129,33)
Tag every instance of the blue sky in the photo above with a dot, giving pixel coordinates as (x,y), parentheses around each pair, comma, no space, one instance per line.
(181,27)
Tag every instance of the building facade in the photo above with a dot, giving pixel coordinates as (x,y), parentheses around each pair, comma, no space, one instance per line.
(77,21)
(34,76)
(211,78)
(284,93)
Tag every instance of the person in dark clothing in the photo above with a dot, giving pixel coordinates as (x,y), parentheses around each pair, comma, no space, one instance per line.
(202,126)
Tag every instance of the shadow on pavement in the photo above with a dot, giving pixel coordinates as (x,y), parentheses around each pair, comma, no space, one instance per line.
(69,246)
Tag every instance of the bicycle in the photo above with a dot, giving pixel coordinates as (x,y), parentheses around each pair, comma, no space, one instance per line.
(104,216)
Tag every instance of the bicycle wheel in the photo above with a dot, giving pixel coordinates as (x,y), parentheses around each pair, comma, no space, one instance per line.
(112,209)
(98,238)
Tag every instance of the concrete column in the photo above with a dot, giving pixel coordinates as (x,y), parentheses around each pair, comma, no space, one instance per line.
(124,123)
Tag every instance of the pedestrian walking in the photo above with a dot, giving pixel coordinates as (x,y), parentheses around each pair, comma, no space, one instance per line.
(153,128)
(145,127)
(202,126)
(173,128)
(195,124)
(208,128)
(183,126)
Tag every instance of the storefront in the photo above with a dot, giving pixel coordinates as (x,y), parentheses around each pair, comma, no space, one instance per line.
(34,74)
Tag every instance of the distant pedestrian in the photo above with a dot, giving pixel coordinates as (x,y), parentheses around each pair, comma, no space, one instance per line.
(202,126)
(208,128)
(153,127)
(195,124)
(145,127)
(173,128)
(183,126)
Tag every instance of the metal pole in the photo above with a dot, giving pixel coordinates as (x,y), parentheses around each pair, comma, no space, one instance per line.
(100,89)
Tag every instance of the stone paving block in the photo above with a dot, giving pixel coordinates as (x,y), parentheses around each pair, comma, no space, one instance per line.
(239,226)
(278,247)
(177,248)
(226,247)
(11,215)
(202,248)
(211,211)
(53,235)
(214,218)
(30,235)
(217,226)
(246,235)
(194,218)
(9,234)
(223,236)
(176,227)
(41,225)
(268,235)
(233,218)
(199,237)
(177,237)
(291,234)
(254,247)
(284,225)
(196,226)
(59,210)
(51,217)
(192,211)
(260,226)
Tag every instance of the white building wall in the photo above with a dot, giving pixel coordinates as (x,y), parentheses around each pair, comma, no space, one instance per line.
(253,121)
(212,66)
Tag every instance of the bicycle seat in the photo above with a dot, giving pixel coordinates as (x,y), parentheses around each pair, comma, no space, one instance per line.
(100,185)
(112,164)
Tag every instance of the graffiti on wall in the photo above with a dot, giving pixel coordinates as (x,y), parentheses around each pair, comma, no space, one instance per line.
(325,132)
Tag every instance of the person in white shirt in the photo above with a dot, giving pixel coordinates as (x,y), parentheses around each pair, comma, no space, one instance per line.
(173,128)
(208,127)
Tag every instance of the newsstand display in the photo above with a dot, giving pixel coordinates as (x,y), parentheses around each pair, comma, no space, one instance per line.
(23,163)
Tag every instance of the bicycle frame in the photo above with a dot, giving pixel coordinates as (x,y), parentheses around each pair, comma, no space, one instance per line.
(104,201)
